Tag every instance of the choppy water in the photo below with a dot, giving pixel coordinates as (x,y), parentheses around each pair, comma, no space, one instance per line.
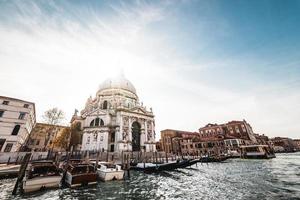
(278,178)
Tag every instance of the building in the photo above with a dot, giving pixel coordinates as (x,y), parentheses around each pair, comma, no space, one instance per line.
(178,142)
(297,144)
(231,130)
(42,136)
(262,139)
(17,118)
(241,130)
(189,143)
(283,144)
(219,139)
(158,146)
(115,120)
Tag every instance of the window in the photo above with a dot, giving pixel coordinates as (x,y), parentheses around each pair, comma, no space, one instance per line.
(22,115)
(8,147)
(97,122)
(112,137)
(16,130)
(5,102)
(243,127)
(2,141)
(26,105)
(92,123)
(105,105)
(88,140)
(1,113)
(37,142)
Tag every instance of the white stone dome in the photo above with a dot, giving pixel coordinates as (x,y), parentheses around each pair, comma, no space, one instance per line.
(119,82)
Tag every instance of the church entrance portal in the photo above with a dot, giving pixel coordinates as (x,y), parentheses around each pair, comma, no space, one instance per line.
(136,136)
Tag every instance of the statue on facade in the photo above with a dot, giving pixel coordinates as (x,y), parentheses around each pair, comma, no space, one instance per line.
(125,134)
(149,136)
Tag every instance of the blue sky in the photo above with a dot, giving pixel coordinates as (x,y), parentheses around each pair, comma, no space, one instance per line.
(194,62)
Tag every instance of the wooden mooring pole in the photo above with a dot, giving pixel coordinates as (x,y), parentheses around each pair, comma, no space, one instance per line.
(21,172)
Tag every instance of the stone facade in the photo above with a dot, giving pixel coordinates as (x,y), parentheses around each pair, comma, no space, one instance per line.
(17,118)
(114,120)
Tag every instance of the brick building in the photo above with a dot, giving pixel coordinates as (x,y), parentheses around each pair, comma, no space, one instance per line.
(212,139)
(226,137)
(284,144)
(176,141)
(42,136)
(297,144)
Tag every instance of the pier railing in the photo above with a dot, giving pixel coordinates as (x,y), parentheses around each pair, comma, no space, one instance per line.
(116,157)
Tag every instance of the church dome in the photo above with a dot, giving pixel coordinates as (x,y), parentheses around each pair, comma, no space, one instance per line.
(119,82)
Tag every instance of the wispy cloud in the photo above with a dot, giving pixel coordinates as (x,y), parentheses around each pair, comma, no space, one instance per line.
(55,53)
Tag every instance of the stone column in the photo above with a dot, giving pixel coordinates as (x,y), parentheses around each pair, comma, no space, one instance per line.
(144,136)
(120,132)
(152,129)
(129,130)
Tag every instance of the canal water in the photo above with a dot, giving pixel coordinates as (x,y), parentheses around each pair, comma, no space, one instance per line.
(278,178)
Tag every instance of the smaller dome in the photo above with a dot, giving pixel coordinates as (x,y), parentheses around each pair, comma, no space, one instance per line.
(119,82)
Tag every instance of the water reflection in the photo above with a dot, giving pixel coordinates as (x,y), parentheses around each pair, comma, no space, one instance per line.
(235,179)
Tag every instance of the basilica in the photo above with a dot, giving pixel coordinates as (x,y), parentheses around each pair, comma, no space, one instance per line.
(115,120)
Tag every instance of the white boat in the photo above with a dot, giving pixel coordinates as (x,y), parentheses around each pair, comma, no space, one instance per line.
(257,152)
(9,170)
(108,171)
(41,175)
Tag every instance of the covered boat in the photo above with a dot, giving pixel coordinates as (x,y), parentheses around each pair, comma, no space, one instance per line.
(257,152)
(107,171)
(41,175)
(208,159)
(9,170)
(80,174)
(157,167)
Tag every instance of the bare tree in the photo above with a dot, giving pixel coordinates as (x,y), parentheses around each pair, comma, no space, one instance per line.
(54,116)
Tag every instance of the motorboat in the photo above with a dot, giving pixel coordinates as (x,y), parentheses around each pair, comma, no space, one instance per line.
(39,176)
(78,174)
(9,170)
(257,152)
(107,171)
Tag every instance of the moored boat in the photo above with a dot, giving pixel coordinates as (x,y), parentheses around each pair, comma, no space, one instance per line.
(9,170)
(157,167)
(107,171)
(208,159)
(80,174)
(41,175)
(257,152)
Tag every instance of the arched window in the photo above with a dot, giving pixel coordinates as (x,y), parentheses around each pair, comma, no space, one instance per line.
(101,122)
(97,122)
(105,105)
(92,123)
(16,130)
